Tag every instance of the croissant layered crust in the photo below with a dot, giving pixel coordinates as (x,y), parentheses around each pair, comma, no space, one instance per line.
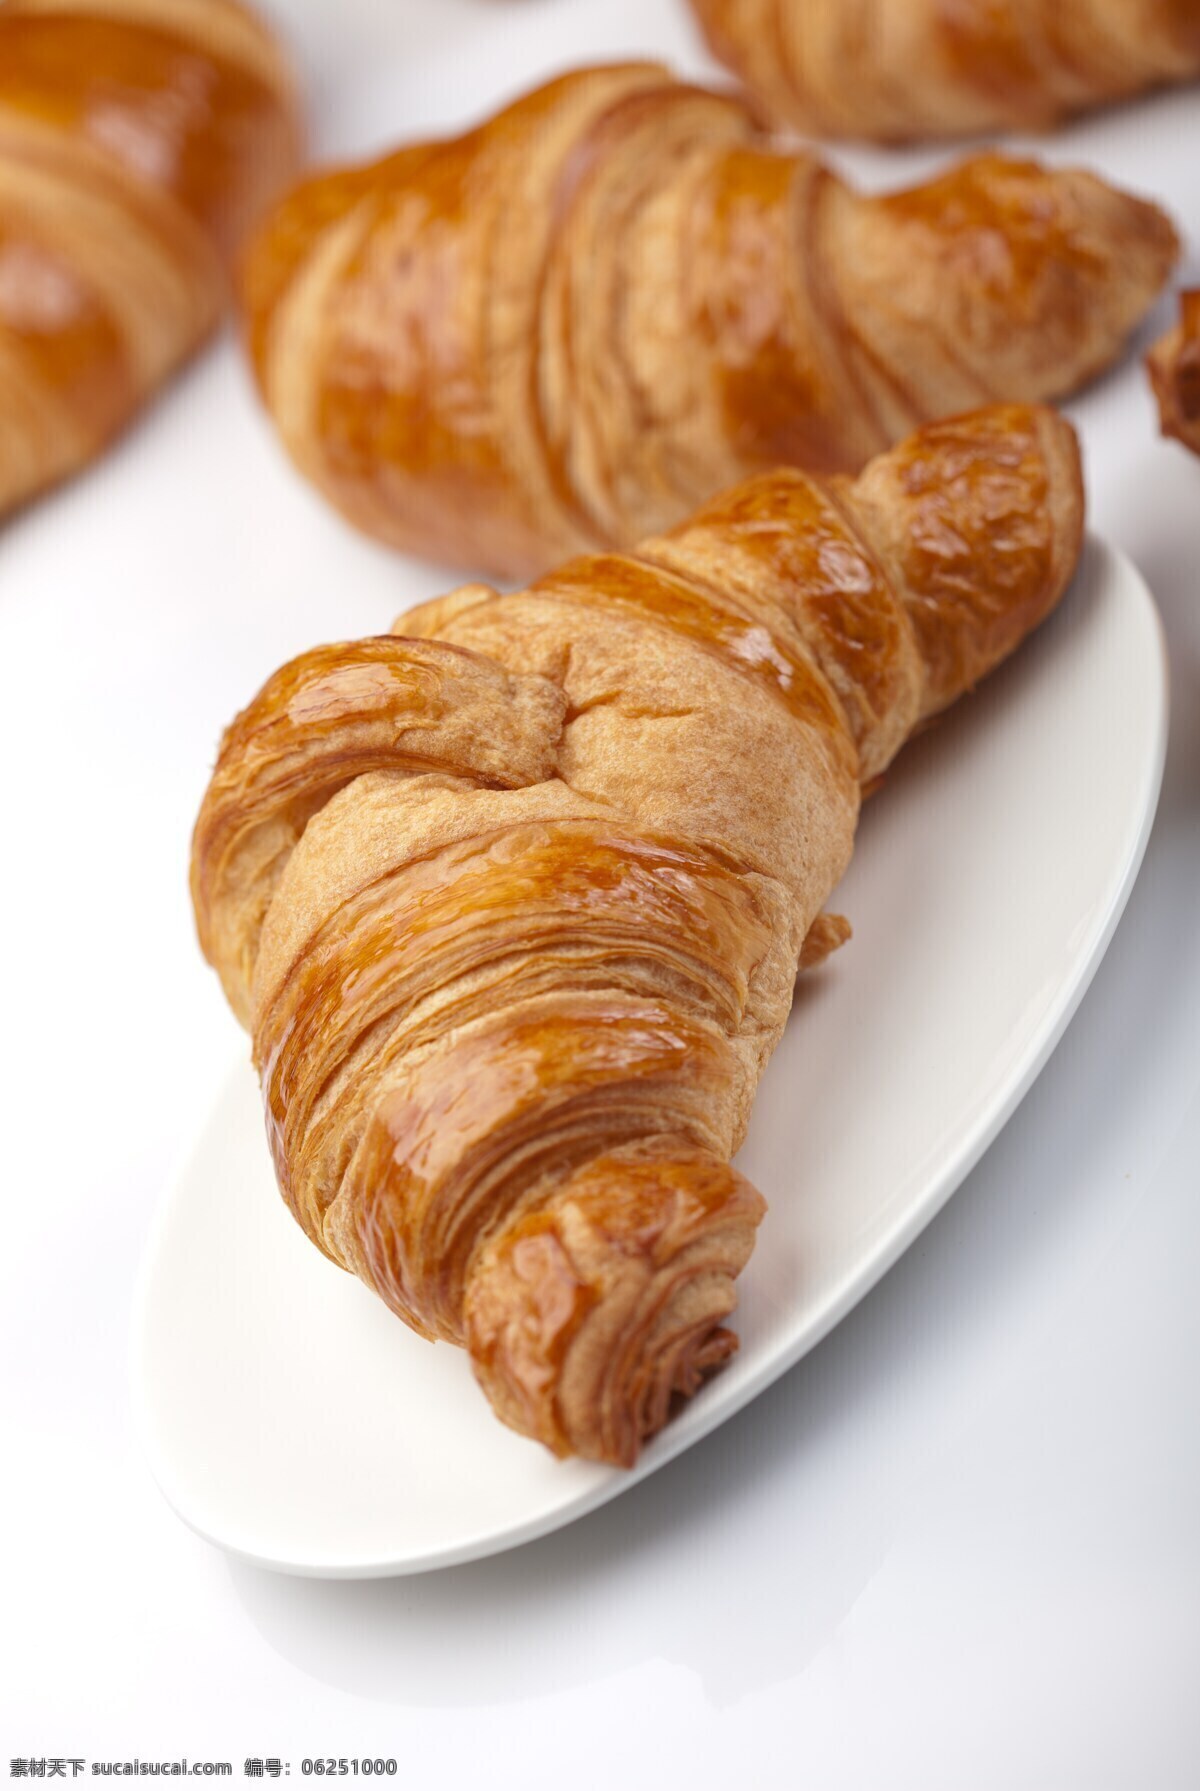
(1174,366)
(570,327)
(895,70)
(513,900)
(139,140)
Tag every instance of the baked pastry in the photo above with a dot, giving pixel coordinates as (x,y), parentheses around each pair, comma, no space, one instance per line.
(570,327)
(895,70)
(513,901)
(1174,366)
(139,139)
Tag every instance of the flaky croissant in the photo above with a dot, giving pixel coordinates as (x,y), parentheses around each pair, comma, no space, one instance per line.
(1174,366)
(139,139)
(513,901)
(896,70)
(570,327)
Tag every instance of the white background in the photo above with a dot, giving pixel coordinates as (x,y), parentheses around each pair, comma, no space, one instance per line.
(958,1546)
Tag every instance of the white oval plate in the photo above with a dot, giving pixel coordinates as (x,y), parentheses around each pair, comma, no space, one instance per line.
(292,1420)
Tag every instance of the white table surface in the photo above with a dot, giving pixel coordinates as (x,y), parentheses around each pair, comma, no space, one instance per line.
(959,1546)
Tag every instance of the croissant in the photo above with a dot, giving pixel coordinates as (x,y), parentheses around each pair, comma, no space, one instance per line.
(570,327)
(513,901)
(894,70)
(139,140)
(1174,366)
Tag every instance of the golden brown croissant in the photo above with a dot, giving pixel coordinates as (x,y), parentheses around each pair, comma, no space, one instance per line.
(139,139)
(570,327)
(895,70)
(513,902)
(1174,365)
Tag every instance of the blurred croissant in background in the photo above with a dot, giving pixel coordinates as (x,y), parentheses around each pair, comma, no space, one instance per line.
(567,328)
(902,70)
(139,140)
(1174,365)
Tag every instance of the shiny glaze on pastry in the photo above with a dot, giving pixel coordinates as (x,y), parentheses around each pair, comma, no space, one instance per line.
(139,140)
(570,327)
(513,900)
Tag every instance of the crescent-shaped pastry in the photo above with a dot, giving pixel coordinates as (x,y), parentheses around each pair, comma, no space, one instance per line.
(139,140)
(513,900)
(899,70)
(568,328)
(1174,367)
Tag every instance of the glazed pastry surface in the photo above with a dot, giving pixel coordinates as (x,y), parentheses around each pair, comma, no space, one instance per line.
(139,140)
(899,70)
(570,327)
(1174,366)
(513,900)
